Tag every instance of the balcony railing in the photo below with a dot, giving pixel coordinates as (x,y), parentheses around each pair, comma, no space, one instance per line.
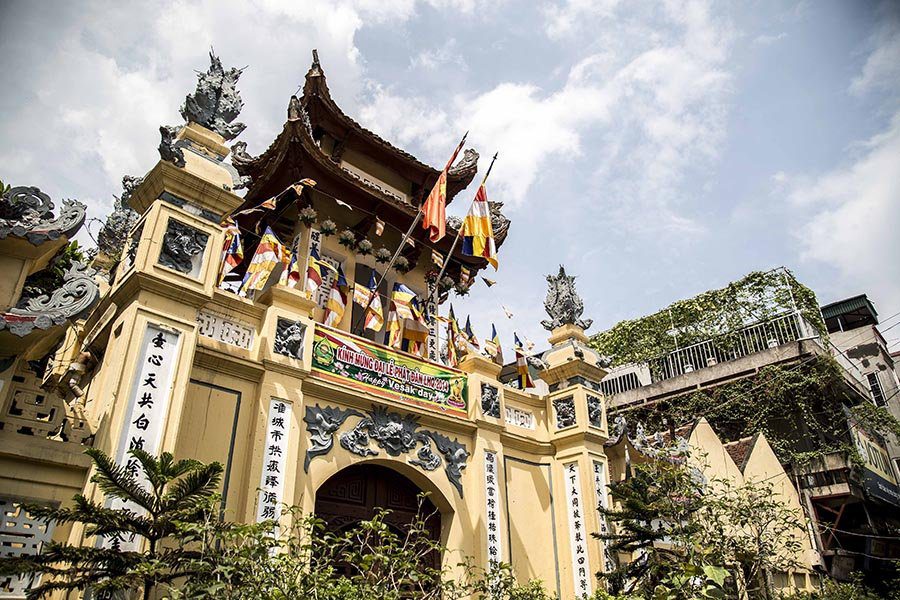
(728,347)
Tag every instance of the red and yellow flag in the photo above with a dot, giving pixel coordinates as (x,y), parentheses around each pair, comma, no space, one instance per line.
(435,206)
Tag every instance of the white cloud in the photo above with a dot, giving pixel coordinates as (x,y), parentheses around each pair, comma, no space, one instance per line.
(656,100)
(881,71)
(447,53)
(767,39)
(854,219)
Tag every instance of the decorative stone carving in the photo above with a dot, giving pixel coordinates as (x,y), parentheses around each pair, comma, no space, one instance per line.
(499,222)
(168,151)
(595,410)
(294,109)
(133,242)
(27,212)
(322,423)
(216,102)
(490,400)
(455,457)
(469,159)
(121,220)
(77,293)
(563,303)
(180,245)
(225,330)
(289,338)
(565,412)
(392,432)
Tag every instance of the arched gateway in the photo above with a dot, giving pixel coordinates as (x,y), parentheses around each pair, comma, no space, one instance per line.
(357,492)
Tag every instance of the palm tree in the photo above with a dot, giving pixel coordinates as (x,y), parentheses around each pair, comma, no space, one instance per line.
(160,497)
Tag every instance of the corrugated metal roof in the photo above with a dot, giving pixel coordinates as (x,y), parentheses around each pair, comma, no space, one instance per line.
(850,304)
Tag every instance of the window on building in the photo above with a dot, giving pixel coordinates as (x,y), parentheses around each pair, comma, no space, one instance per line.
(875,389)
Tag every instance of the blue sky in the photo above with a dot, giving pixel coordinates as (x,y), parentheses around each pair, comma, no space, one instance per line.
(655,149)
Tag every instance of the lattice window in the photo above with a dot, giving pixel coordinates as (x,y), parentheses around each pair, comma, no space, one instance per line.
(20,535)
(875,389)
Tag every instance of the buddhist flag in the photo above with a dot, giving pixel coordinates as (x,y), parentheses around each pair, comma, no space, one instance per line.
(268,254)
(437,259)
(524,376)
(261,207)
(489,282)
(469,334)
(415,332)
(316,272)
(232,251)
(291,275)
(401,308)
(362,295)
(337,299)
(477,231)
(492,346)
(453,336)
(435,206)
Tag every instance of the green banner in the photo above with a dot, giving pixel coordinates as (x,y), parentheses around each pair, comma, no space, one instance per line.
(359,363)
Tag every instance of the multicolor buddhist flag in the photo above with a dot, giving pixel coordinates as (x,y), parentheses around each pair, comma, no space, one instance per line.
(469,334)
(453,338)
(477,231)
(401,308)
(492,346)
(524,376)
(435,206)
(337,299)
(438,259)
(261,207)
(415,332)
(316,272)
(268,255)
(489,282)
(368,296)
(232,250)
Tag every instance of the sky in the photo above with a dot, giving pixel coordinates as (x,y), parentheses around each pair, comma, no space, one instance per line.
(656,149)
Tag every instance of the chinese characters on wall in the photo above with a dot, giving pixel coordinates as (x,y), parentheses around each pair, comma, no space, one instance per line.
(519,418)
(222,330)
(600,489)
(581,569)
(271,481)
(148,405)
(492,520)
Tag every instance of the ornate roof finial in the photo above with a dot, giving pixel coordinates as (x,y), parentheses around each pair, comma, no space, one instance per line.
(315,69)
(563,303)
(115,230)
(216,102)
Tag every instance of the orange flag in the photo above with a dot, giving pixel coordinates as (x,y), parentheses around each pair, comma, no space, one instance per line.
(435,206)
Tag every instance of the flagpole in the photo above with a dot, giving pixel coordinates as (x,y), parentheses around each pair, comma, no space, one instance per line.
(459,232)
(400,248)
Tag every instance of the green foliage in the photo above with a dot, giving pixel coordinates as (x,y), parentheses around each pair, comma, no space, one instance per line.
(371,561)
(855,589)
(178,491)
(4,187)
(758,296)
(799,408)
(51,278)
(692,538)
(875,418)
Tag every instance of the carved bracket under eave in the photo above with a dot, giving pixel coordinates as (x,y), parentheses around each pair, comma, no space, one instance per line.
(27,212)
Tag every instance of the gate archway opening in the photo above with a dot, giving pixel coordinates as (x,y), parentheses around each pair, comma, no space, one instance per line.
(358,492)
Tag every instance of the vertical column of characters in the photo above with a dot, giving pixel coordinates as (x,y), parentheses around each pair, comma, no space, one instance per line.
(602,500)
(492,512)
(577,531)
(148,406)
(271,483)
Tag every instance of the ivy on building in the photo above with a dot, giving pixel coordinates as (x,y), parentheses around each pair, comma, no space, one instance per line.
(759,296)
(799,407)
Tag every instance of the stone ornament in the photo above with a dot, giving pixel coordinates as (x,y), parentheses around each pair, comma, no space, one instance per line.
(180,245)
(392,432)
(322,423)
(289,338)
(168,151)
(563,303)
(78,293)
(595,410)
(27,212)
(490,400)
(565,412)
(114,233)
(216,102)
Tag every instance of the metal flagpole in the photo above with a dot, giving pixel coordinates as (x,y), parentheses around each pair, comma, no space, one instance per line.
(459,232)
(400,248)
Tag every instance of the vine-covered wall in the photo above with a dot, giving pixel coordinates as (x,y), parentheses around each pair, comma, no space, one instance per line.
(757,297)
(799,407)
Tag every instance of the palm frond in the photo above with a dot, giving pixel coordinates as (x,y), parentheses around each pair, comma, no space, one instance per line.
(193,488)
(115,480)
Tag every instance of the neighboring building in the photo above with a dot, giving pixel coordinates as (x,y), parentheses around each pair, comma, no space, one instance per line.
(853,329)
(855,508)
